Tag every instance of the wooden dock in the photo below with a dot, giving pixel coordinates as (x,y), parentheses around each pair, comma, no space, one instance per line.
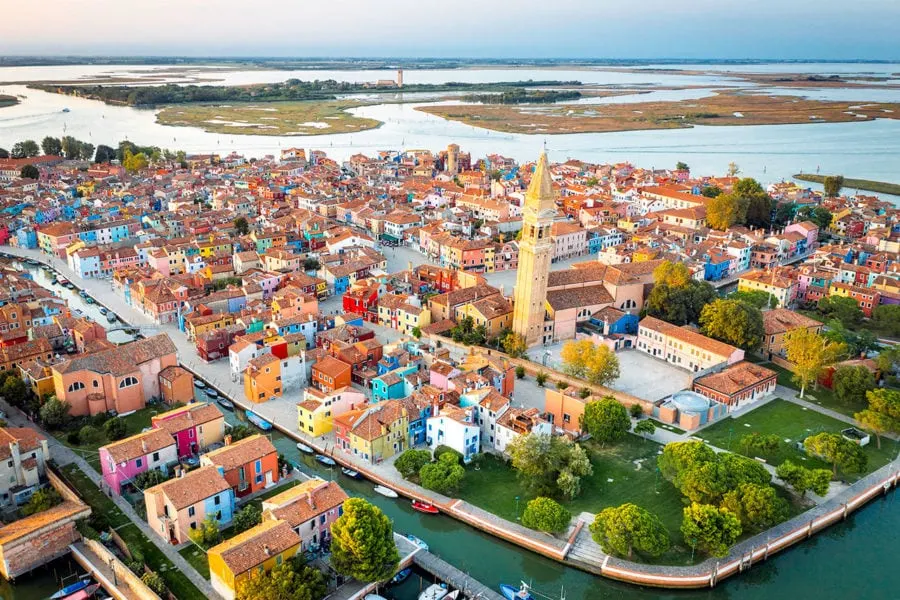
(453,577)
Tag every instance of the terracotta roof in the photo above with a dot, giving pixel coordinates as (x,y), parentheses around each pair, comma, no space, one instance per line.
(192,415)
(192,487)
(781,320)
(688,336)
(735,378)
(255,546)
(305,501)
(331,366)
(139,445)
(121,360)
(577,297)
(28,440)
(240,453)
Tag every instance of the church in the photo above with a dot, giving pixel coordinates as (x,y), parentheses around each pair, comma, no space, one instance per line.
(549,306)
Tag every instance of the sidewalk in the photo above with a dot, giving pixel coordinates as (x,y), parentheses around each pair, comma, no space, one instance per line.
(65,456)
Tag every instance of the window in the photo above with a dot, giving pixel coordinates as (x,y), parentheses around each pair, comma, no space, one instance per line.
(96,383)
(259,479)
(139,463)
(191,511)
(76,386)
(155,456)
(258,466)
(128,382)
(217,500)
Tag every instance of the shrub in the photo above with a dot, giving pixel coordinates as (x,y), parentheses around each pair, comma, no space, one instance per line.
(442,450)
(115,429)
(72,438)
(155,583)
(520,372)
(540,378)
(545,514)
(561,385)
(89,434)
(636,411)
(410,462)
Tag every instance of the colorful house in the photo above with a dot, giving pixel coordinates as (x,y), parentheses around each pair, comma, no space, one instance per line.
(179,506)
(121,461)
(330,374)
(455,427)
(257,550)
(374,433)
(316,412)
(176,385)
(309,508)
(248,465)
(393,383)
(194,427)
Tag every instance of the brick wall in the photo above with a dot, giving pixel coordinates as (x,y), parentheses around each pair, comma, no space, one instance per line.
(23,555)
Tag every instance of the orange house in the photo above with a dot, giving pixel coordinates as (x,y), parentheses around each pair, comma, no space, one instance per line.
(564,410)
(248,466)
(176,385)
(330,374)
(262,378)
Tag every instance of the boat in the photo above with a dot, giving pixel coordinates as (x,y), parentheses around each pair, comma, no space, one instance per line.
(510,592)
(452,595)
(82,293)
(374,597)
(225,403)
(78,312)
(103,310)
(198,383)
(111,317)
(88,299)
(212,392)
(425,507)
(258,420)
(72,588)
(304,448)
(325,460)
(401,576)
(85,593)
(417,541)
(435,591)
(351,473)
(66,110)
(385,491)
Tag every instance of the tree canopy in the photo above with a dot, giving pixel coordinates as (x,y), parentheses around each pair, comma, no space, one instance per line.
(834,449)
(833,185)
(546,514)
(810,353)
(710,529)
(886,317)
(287,581)
(443,475)
(679,305)
(757,298)
(624,529)
(25,149)
(29,172)
(883,414)
(362,544)
(844,309)
(851,383)
(803,479)
(606,420)
(595,363)
(818,215)
(756,506)
(514,344)
(733,322)
(409,463)
(549,465)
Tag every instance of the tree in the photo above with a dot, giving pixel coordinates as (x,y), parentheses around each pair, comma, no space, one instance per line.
(411,461)
(606,420)
(810,353)
(362,544)
(624,529)
(311,264)
(89,435)
(675,275)
(241,226)
(595,363)
(819,215)
(888,360)
(682,166)
(134,162)
(710,529)
(25,149)
(41,500)
(115,429)
(645,427)
(757,298)
(755,444)
(546,514)
(514,344)
(844,309)
(883,414)
(851,384)
(14,391)
(833,185)
(54,413)
(245,518)
(733,322)
(756,506)
(886,317)
(466,332)
(803,479)
(51,146)
(520,372)
(722,211)
(149,478)
(733,169)
(759,211)
(29,172)
(104,154)
(239,432)
(837,451)
(636,411)
(679,306)
(784,213)
(287,581)
(549,465)
(678,457)
(856,341)
(443,475)
(711,191)
(709,482)
(153,581)
(206,534)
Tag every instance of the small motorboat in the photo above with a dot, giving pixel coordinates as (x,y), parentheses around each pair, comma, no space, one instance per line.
(85,593)
(62,281)
(225,403)
(304,448)
(257,420)
(417,541)
(351,473)
(435,591)
(325,460)
(88,299)
(82,293)
(111,317)
(452,595)
(401,576)
(198,383)
(425,507)
(103,310)
(385,491)
(212,392)
(72,588)
(510,592)
(78,312)
(66,110)
(373,597)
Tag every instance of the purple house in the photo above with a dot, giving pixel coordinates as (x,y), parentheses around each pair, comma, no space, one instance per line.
(121,461)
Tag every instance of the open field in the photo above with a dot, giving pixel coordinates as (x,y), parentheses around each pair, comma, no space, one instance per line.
(856,184)
(791,423)
(313,117)
(726,108)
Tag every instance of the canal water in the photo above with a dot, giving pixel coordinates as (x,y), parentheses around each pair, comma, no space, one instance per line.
(855,559)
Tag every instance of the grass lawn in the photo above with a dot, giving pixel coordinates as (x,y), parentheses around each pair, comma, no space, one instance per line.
(494,487)
(822,396)
(134,423)
(175,580)
(197,558)
(792,422)
(667,427)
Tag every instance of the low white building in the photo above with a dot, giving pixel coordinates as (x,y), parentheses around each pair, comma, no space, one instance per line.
(455,428)
(519,421)
(488,405)
(23,459)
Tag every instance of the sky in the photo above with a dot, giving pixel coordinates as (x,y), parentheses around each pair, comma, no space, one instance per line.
(718,29)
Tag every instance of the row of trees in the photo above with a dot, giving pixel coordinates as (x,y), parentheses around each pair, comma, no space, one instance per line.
(444,474)
(73,149)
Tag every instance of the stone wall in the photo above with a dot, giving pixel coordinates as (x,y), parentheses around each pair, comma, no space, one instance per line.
(20,556)
(136,589)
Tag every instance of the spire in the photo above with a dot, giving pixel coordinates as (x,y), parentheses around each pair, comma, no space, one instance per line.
(540,191)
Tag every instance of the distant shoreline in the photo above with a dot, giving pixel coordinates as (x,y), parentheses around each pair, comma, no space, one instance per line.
(882,187)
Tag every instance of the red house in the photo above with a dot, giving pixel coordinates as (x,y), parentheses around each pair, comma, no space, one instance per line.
(363,301)
(248,466)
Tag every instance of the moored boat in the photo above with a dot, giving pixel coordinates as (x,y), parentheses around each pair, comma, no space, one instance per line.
(325,460)
(374,597)
(225,403)
(85,593)
(212,392)
(71,588)
(385,491)
(304,448)
(198,383)
(425,507)
(510,592)
(257,420)
(417,541)
(103,310)
(435,591)
(111,317)
(401,576)
(351,473)
(452,595)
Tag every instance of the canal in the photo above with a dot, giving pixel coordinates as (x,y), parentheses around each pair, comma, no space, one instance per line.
(855,559)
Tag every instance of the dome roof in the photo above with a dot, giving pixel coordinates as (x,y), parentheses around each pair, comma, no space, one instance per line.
(690,402)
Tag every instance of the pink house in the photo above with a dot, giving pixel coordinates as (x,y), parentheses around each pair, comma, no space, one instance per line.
(808,230)
(310,508)
(194,427)
(123,460)
(441,373)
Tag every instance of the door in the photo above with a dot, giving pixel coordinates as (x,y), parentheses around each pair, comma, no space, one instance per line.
(269,478)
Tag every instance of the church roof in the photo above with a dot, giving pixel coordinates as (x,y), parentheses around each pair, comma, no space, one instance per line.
(540,191)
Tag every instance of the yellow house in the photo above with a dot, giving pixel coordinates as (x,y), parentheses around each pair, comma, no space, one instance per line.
(835,217)
(494,312)
(86,188)
(316,413)
(253,552)
(38,376)
(201,324)
(489,252)
(375,433)
(409,317)
(782,288)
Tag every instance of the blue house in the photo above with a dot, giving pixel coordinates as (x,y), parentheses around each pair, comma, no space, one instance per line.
(612,321)
(392,385)
(27,238)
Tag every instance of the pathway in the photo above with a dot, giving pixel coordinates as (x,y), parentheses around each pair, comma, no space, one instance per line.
(63,455)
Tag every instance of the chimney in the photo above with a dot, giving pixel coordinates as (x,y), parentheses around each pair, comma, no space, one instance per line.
(266,550)
(144,445)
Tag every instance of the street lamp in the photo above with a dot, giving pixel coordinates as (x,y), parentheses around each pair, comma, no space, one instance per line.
(517,508)
(693,546)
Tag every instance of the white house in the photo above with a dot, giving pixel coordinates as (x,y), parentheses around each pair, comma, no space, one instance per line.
(241,353)
(455,428)
(489,405)
(519,421)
